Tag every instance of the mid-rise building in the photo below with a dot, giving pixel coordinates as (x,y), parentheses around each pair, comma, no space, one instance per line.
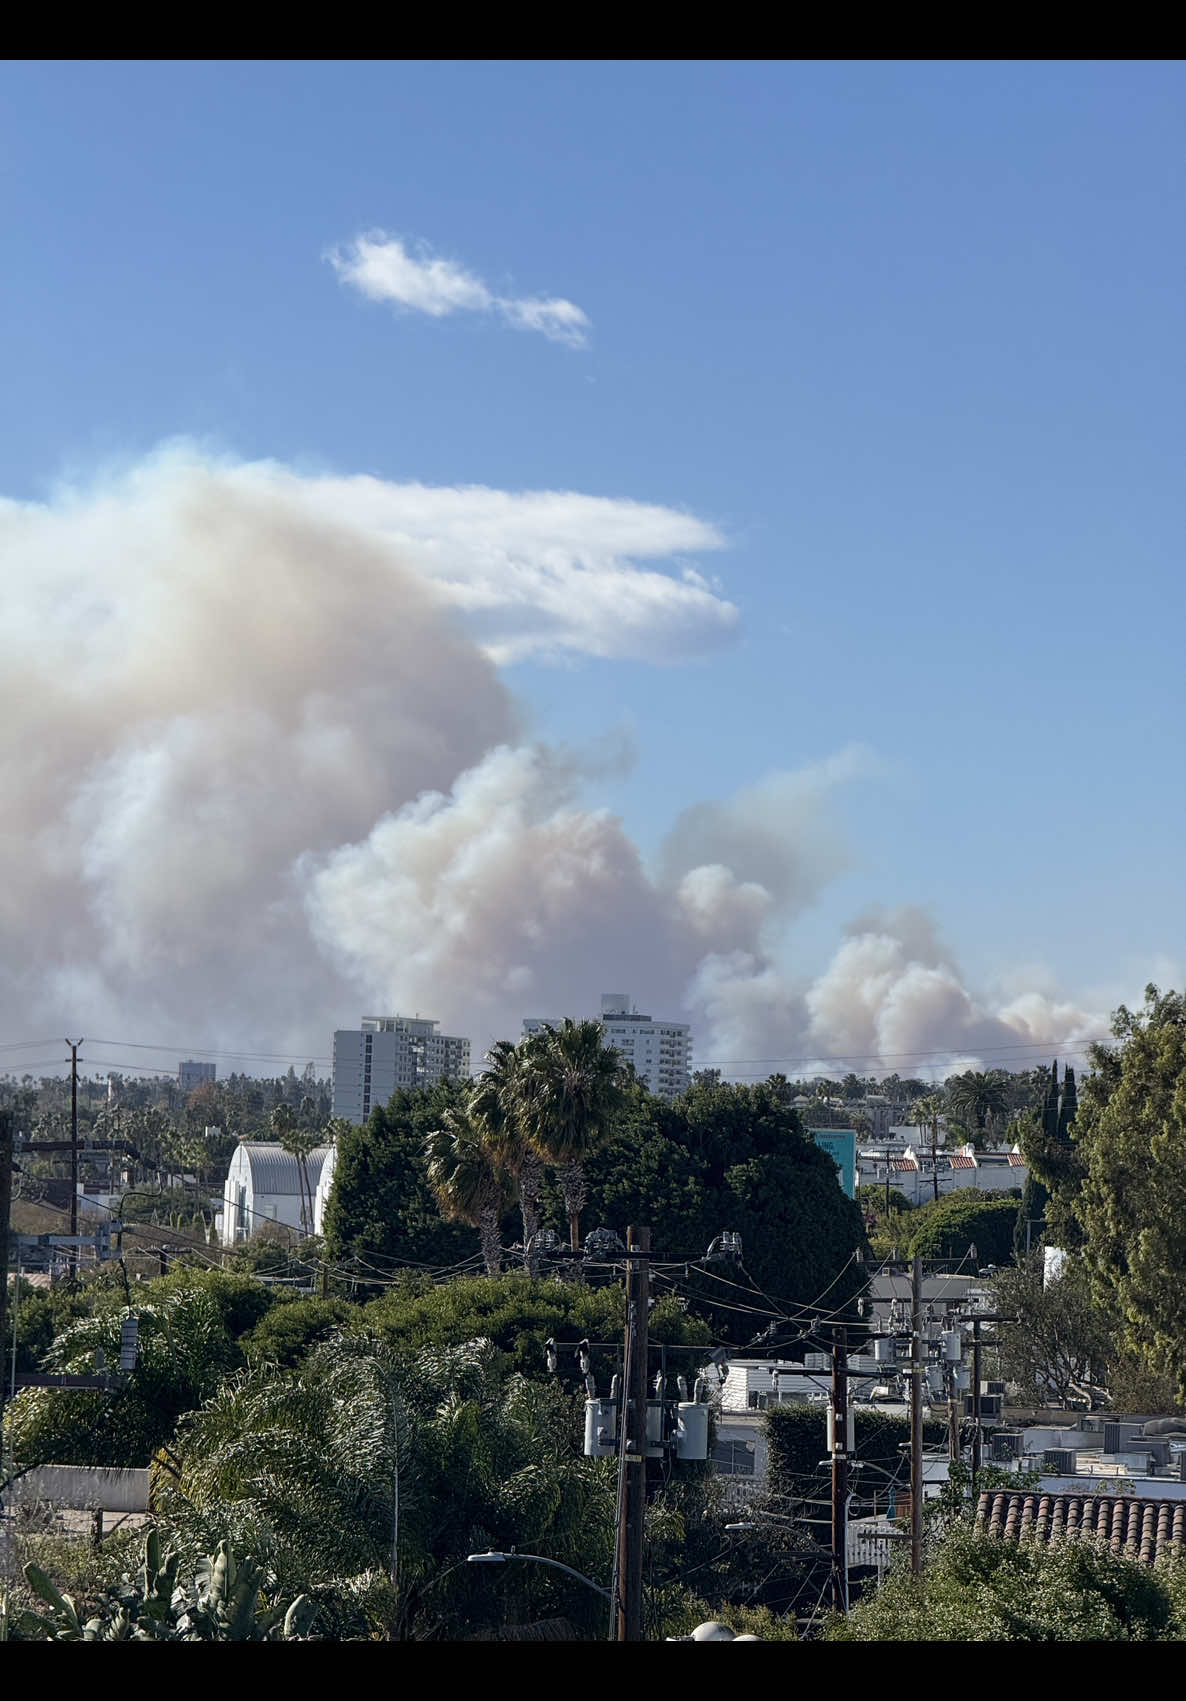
(191,1075)
(389,1052)
(661,1052)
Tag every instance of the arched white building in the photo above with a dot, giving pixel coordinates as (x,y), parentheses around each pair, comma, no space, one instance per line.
(263,1185)
(325,1182)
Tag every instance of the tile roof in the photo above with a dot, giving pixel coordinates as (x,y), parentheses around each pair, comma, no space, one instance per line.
(904,1163)
(961,1160)
(1145,1530)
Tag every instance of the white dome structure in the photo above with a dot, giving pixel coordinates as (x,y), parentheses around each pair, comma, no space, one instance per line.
(325,1182)
(265,1184)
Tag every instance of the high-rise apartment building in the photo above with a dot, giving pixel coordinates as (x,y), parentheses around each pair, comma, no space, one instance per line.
(389,1052)
(191,1074)
(661,1052)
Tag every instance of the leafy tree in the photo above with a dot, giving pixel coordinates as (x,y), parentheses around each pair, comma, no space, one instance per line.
(184,1352)
(40,1314)
(1048,1142)
(1131,1139)
(289,1332)
(303,1464)
(797,1438)
(980,1588)
(1059,1346)
(573,1090)
(967,1219)
(518,1315)
(1031,1218)
(382,1213)
(732,1156)
(648,1174)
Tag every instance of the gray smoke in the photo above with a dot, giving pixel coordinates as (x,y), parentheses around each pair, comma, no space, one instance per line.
(261,772)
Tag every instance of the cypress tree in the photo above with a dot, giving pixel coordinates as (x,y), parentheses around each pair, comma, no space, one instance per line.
(1052,1153)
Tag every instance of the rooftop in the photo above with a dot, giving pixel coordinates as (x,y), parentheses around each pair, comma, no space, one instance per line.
(1135,1528)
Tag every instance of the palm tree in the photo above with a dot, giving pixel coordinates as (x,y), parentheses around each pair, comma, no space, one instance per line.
(979,1097)
(924,1114)
(573,1091)
(298,1143)
(497,1103)
(301,1466)
(470,1183)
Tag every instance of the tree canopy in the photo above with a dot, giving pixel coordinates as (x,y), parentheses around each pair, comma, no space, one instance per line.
(966,1219)
(1131,1207)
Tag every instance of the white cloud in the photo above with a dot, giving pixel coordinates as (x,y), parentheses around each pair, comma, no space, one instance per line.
(550,572)
(382,268)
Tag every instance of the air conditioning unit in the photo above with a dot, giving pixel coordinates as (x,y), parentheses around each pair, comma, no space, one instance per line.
(990,1406)
(1159,1452)
(1117,1436)
(995,1388)
(1061,1461)
(1007,1444)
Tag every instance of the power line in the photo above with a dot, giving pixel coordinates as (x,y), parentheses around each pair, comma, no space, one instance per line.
(197,1051)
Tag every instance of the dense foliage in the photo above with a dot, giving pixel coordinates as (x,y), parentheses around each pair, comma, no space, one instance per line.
(1131,1141)
(797,1438)
(979,1588)
(382,1212)
(967,1219)
(719,1157)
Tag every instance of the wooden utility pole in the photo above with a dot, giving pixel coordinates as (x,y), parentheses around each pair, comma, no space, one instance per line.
(840,1469)
(953,1420)
(975,1406)
(916,1478)
(74,1149)
(634,1459)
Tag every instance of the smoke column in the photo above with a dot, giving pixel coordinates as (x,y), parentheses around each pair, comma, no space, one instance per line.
(262,773)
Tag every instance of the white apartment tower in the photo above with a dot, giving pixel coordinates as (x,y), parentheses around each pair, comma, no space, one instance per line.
(661,1052)
(389,1052)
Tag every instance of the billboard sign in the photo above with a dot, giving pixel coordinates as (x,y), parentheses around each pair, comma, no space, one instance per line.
(841,1146)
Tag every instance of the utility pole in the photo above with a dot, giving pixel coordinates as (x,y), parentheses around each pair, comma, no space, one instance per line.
(975,1405)
(916,1479)
(840,1469)
(74,1149)
(953,1420)
(633,1418)
(6,1138)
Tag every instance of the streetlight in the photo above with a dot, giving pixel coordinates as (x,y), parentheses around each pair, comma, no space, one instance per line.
(493,1558)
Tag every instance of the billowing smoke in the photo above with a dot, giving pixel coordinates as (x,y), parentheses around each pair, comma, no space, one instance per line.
(261,773)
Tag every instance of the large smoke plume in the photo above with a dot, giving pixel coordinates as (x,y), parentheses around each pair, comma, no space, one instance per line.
(261,771)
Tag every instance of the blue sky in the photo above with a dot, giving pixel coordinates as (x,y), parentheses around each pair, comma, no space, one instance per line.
(909,336)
